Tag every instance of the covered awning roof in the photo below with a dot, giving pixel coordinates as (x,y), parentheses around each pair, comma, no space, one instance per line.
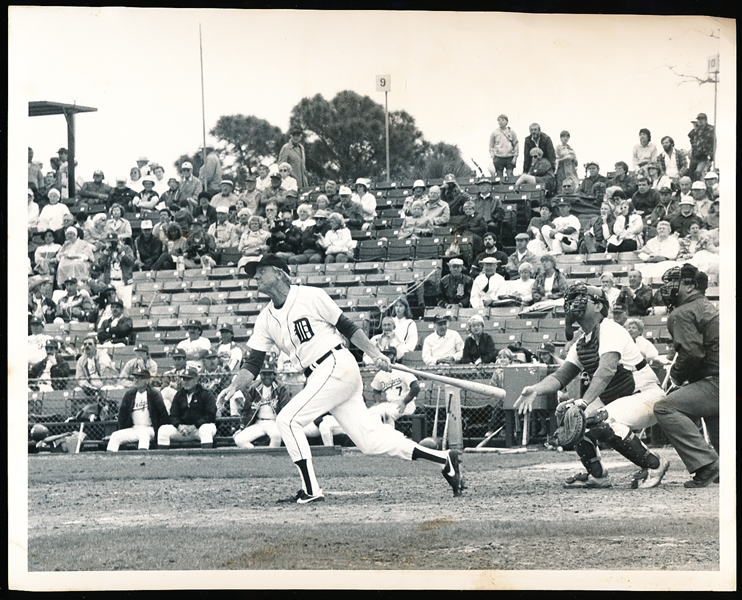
(43,108)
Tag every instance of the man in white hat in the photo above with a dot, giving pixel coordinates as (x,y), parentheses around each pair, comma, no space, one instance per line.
(143,165)
(486,287)
(418,193)
(190,186)
(681,224)
(147,247)
(699,192)
(711,179)
(454,289)
(226,197)
(223,232)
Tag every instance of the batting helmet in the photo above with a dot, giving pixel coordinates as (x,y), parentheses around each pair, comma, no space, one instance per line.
(39,432)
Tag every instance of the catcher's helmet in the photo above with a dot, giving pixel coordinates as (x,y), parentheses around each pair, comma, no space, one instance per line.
(39,432)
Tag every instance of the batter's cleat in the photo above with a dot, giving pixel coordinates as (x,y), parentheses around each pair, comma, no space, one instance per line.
(452,472)
(704,476)
(578,480)
(301,497)
(654,476)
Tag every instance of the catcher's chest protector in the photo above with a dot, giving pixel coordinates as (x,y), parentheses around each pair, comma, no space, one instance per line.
(622,383)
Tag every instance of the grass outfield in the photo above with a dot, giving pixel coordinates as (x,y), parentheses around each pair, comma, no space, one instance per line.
(212,510)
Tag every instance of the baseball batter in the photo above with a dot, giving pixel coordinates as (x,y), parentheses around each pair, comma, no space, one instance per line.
(307,325)
(620,381)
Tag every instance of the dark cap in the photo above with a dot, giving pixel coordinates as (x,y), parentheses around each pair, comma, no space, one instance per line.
(112,236)
(52,343)
(191,323)
(547,347)
(561,201)
(484,180)
(211,354)
(292,193)
(143,373)
(62,150)
(71,280)
(36,321)
(226,327)
(267,260)
(701,116)
(251,178)
(276,174)
(442,319)
(116,301)
(620,308)
(178,352)
(143,347)
(190,373)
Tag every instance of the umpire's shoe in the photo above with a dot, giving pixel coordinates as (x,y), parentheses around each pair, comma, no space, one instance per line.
(301,497)
(704,476)
(452,472)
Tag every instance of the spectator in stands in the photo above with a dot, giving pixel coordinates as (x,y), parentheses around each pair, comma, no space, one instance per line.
(119,329)
(262,404)
(608,285)
(170,196)
(454,289)
(171,379)
(520,256)
(703,202)
(37,340)
(444,347)
(158,172)
(290,204)
(469,224)
(350,209)
(117,224)
(323,203)
(117,265)
(50,183)
(366,200)
(161,227)
(263,180)
(196,346)
(200,250)
(599,230)
(95,191)
(550,282)
(213,377)
(636,296)
(285,239)
(242,224)
(503,148)
(490,250)
(147,247)
(337,242)
(702,146)
(662,247)
(141,414)
(141,361)
(712,220)
(487,206)
(627,230)
(74,257)
(223,232)
(144,166)
(563,234)
(292,153)
(623,179)
(672,162)
(250,196)
(521,287)
(288,181)
(190,186)
(566,162)
(172,249)
(309,251)
(135,179)
(68,220)
(418,194)
(331,192)
(656,178)
(593,176)
(120,194)
(540,140)
(273,193)
(35,174)
(228,351)
(711,179)
(254,243)
(148,198)
(386,339)
(537,244)
(541,173)
(435,209)
(453,195)
(210,173)
(226,196)
(479,347)
(416,224)
(45,255)
(635,327)
(697,249)
(52,215)
(192,414)
(645,198)
(204,207)
(94,370)
(40,303)
(304,212)
(645,151)
(404,326)
(50,373)
(667,209)
(681,224)
(488,285)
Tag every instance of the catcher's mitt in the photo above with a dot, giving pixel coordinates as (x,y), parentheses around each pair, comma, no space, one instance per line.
(571,427)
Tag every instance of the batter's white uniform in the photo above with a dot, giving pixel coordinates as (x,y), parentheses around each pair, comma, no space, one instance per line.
(633,412)
(304,328)
(396,387)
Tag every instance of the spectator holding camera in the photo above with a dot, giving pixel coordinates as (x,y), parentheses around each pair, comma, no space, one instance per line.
(117,266)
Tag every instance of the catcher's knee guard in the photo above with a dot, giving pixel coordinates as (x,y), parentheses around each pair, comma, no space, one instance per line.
(635,450)
(589,455)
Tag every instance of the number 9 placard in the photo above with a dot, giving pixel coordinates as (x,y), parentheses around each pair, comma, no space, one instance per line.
(383,83)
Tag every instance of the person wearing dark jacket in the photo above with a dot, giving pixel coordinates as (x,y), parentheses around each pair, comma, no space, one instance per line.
(52,372)
(119,328)
(147,247)
(192,413)
(637,296)
(479,347)
(141,414)
(309,250)
(454,289)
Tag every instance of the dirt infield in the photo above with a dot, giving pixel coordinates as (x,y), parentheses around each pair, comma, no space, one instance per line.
(216,510)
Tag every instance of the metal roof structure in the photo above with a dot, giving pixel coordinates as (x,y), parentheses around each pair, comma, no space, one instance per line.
(44,108)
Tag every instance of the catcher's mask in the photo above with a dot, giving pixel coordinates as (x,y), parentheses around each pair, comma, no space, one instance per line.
(672,279)
(576,299)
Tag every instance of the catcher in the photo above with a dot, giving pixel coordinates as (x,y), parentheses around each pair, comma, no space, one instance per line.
(620,382)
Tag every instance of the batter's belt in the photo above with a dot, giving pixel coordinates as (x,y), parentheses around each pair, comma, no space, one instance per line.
(310,369)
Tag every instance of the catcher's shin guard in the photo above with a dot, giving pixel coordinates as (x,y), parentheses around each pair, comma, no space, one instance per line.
(636,451)
(589,455)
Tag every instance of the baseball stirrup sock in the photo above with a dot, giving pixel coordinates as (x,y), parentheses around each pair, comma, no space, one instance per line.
(436,456)
(307,475)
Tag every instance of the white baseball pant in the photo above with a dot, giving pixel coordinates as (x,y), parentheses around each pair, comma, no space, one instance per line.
(205,434)
(258,429)
(141,434)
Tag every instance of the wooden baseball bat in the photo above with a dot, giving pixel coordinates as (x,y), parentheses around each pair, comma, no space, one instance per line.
(472,386)
(489,437)
(435,420)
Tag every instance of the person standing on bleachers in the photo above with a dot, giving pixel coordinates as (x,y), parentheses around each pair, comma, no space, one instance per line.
(141,414)
(192,414)
(503,148)
(292,153)
(196,346)
(210,173)
(444,346)
(538,139)
(454,289)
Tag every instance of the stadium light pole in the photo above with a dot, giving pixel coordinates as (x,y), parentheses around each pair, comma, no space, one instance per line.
(383,84)
(203,104)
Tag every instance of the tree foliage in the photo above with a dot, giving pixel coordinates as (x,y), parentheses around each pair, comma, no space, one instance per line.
(437,160)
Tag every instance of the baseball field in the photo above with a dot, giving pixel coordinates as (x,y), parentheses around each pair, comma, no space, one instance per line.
(184,510)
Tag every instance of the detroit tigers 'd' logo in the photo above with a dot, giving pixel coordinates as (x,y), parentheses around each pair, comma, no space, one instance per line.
(303,330)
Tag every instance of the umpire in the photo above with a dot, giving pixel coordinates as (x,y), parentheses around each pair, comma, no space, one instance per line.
(694,326)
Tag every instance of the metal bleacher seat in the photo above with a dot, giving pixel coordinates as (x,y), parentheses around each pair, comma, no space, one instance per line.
(359,292)
(147,285)
(368,267)
(398,265)
(494,325)
(467,313)
(346,304)
(185,298)
(222,273)
(169,310)
(370,250)
(350,280)
(214,297)
(504,312)
(432,313)
(196,274)
(150,337)
(195,311)
(170,323)
(428,248)
(533,339)
(337,292)
(143,324)
(585,271)
(505,339)
(628,257)
(204,285)
(166,275)
(175,286)
(400,249)
(551,324)
(223,309)
(338,268)
(521,325)
(153,298)
(378,278)
(601,258)
(310,269)
(655,321)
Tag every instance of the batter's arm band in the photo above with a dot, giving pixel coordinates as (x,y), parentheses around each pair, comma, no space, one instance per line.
(254,362)
(566,372)
(346,327)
